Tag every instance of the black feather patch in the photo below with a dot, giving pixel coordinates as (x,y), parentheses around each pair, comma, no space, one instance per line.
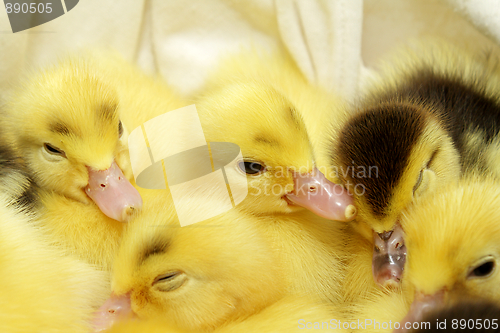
(463,106)
(379,139)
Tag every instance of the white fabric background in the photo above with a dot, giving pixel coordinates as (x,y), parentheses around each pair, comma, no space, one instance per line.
(333,41)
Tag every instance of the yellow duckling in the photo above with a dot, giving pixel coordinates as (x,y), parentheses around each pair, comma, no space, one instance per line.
(452,244)
(278,165)
(65,123)
(218,275)
(266,124)
(452,241)
(73,136)
(196,277)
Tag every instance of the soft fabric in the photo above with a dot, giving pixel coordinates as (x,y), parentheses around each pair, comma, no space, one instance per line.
(334,42)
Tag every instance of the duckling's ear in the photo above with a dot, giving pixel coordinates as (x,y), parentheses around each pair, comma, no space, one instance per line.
(426,182)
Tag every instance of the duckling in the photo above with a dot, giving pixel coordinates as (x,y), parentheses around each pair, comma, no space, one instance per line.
(195,277)
(42,289)
(278,154)
(432,118)
(160,275)
(74,140)
(278,166)
(65,123)
(452,257)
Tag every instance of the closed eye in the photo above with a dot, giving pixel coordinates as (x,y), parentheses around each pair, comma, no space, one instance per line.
(166,277)
(53,150)
(170,281)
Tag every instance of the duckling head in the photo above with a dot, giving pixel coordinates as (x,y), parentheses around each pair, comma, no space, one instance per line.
(389,156)
(453,246)
(196,277)
(278,161)
(65,123)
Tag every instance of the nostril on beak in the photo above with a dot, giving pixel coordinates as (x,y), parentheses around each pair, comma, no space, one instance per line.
(385,235)
(128,212)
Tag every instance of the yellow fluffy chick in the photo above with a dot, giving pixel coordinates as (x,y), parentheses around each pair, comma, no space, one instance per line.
(434,116)
(264,105)
(196,277)
(64,122)
(70,123)
(452,242)
(279,166)
(43,290)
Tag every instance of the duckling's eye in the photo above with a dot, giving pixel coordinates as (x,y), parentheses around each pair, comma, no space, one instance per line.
(419,180)
(251,168)
(53,150)
(482,270)
(169,281)
(120,129)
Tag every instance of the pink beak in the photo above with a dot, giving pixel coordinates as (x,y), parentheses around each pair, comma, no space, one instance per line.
(326,199)
(113,193)
(116,308)
(389,257)
(421,306)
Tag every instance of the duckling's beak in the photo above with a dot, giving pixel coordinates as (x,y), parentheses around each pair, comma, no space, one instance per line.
(116,308)
(326,199)
(389,257)
(113,193)
(421,306)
